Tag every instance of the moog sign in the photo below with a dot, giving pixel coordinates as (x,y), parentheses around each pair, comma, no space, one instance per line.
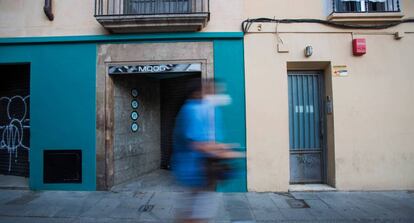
(159,68)
(152,68)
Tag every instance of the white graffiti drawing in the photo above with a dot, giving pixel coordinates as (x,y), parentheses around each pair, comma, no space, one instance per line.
(13,124)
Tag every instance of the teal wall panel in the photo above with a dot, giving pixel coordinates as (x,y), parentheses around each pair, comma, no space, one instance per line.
(62,104)
(63,95)
(229,67)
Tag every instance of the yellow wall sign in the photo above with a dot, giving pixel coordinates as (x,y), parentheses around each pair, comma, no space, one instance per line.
(340,71)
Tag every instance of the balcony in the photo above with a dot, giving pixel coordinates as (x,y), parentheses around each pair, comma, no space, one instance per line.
(365,10)
(366,6)
(147,16)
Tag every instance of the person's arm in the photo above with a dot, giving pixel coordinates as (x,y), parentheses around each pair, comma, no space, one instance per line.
(218,150)
(196,132)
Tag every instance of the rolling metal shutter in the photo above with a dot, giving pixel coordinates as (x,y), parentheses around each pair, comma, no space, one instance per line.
(14,119)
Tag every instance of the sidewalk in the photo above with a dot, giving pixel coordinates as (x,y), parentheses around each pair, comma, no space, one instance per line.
(18,206)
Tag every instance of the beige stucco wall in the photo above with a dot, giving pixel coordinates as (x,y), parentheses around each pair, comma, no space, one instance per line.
(75,17)
(373,106)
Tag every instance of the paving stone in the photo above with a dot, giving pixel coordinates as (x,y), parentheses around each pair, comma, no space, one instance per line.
(36,220)
(24,198)
(326,214)
(163,212)
(280,203)
(305,195)
(222,214)
(42,210)
(75,207)
(260,201)
(240,214)
(317,204)
(149,216)
(67,206)
(9,195)
(235,201)
(297,214)
(103,207)
(105,220)
(353,213)
(268,215)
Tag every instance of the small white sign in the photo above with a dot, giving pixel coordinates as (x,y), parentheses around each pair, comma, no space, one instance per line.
(340,71)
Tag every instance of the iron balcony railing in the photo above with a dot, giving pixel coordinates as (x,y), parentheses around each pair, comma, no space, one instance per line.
(365,6)
(150,7)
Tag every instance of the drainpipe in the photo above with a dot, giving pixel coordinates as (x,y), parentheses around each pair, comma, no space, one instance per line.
(48,9)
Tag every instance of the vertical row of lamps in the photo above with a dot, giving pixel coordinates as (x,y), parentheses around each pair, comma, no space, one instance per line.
(134,113)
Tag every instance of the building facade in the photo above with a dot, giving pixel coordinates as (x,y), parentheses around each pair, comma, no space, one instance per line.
(329,116)
(89,89)
(96,102)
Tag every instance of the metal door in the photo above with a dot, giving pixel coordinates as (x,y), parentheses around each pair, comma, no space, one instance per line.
(306,127)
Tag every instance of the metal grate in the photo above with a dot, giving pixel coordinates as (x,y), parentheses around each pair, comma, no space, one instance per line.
(297,203)
(146,208)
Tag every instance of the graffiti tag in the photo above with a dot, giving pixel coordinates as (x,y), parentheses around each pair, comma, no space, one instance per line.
(13,124)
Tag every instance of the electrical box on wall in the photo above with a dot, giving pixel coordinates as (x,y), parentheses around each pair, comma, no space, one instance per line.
(359,46)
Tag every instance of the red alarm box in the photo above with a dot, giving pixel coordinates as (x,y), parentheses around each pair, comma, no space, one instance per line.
(359,46)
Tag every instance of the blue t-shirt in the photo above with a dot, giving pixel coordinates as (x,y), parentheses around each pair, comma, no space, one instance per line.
(192,125)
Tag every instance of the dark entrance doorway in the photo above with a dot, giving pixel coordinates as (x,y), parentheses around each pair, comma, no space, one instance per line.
(173,96)
(306,127)
(14,119)
(145,108)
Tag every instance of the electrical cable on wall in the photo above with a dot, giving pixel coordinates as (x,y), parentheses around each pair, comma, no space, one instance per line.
(246,24)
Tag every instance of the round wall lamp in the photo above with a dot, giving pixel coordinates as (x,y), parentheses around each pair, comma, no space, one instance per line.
(134,115)
(134,127)
(308,51)
(134,104)
(134,92)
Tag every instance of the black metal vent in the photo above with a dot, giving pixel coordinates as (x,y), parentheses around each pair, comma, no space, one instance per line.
(62,166)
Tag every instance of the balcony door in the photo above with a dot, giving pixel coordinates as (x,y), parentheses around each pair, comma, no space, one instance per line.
(148,7)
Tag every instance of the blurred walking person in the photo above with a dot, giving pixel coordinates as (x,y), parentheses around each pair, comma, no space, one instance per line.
(196,152)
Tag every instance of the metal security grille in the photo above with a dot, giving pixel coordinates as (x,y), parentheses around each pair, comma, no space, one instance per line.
(157,7)
(150,7)
(14,119)
(305,127)
(365,6)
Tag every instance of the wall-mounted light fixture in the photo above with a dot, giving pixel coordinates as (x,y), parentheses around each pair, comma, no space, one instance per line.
(48,9)
(308,51)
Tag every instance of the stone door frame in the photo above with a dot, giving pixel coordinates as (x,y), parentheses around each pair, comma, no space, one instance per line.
(135,53)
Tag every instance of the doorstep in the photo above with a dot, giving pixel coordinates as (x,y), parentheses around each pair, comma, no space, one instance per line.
(310,187)
(14,182)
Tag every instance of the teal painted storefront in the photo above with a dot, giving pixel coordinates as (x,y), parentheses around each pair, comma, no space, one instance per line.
(63,95)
